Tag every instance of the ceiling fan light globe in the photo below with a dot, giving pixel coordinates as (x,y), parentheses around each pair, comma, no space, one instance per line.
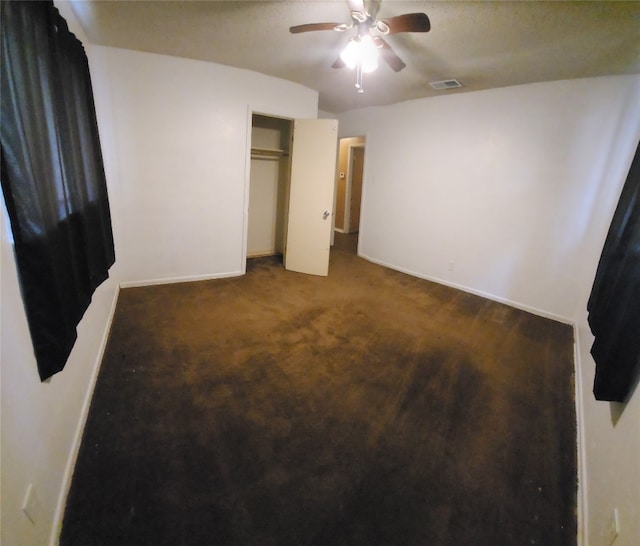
(351,53)
(368,54)
(369,64)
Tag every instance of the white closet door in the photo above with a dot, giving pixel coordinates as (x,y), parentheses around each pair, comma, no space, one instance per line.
(313,166)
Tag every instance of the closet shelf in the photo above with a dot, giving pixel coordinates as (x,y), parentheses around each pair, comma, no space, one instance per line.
(268,152)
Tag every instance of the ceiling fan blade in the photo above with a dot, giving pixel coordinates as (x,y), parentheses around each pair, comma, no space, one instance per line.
(409,22)
(389,55)
(313,26)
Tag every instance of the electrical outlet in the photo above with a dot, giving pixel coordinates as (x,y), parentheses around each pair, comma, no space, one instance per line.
(613,527)
(31,505)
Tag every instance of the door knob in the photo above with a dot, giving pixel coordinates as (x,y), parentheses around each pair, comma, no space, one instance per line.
(325,214)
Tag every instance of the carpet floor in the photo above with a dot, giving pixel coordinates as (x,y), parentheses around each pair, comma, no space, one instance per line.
(368,407)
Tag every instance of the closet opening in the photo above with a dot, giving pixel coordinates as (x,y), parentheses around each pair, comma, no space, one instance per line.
(269,184)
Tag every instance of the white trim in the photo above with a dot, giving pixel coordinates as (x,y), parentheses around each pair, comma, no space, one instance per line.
(346,213)
(486,295)
(58,514)
(174,280)
(247,190)
(582,495)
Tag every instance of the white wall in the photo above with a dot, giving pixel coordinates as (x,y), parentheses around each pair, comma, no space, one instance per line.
(611,452)
(41,422)
(516,187)
(180,131)
(611,447)
(502,183)
(323,114)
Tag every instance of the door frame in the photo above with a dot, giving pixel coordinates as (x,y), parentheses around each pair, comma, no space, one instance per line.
(251,111)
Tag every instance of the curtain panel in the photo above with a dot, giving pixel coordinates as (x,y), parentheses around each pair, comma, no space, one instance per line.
(614,304)
(52,176)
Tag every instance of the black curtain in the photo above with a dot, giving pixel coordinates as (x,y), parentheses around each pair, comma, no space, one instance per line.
(614,304)
(52,176)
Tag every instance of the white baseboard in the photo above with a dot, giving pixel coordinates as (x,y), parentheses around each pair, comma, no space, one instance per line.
(582,510)
(264,254)
(58,516)
(498,299)
(173,280)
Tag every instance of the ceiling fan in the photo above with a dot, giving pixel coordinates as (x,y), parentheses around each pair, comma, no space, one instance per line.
(362,51)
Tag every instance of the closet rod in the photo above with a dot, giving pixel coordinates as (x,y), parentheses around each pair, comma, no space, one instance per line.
(265,153)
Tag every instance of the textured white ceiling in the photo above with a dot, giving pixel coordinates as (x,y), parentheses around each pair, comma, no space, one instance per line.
(482,44)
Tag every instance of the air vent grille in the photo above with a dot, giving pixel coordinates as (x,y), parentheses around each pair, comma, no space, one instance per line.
(445,84)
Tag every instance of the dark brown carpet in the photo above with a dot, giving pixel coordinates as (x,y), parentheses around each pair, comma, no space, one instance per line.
(369,407)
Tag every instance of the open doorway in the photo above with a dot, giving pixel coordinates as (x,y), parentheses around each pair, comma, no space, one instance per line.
(349,192)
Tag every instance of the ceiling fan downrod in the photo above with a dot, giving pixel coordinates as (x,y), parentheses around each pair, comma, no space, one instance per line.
(359,87)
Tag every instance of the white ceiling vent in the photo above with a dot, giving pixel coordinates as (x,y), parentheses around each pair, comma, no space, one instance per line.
(445,84)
